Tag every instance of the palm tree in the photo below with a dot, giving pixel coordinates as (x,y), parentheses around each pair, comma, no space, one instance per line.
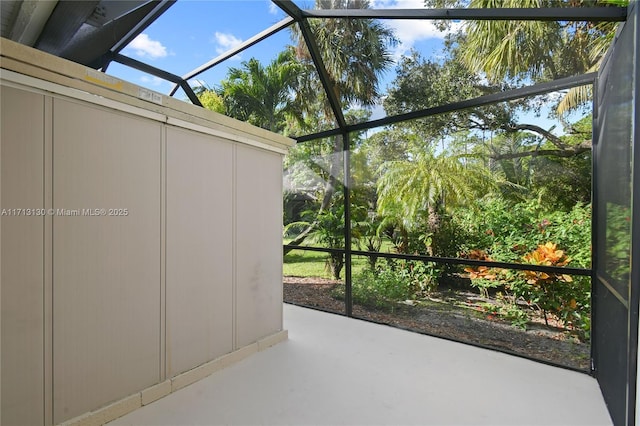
(355,53)
(263,96)
(426,181)
(511,48)
(537,50)
(422,187)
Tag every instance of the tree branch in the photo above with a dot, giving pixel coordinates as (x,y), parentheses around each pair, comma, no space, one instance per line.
(539,130)
(569,152)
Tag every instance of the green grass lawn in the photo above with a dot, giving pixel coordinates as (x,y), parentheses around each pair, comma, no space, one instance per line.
(302,263)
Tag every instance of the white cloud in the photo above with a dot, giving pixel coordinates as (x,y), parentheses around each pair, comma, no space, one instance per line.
(410,31)
(152,80)
(273,9)
(225,41)
(147,48)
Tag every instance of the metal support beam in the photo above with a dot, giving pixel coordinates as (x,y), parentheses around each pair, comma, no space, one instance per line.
(162,7)
(348,281)
(190,94)
(135,31)
(634,279)
(290,8)
(149,69)
(327,82)
(591,14)
(595,126)
(454,261)
(509,95)
(232,52)
(141,66)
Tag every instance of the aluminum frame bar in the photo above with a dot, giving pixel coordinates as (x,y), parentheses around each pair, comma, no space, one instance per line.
(141,66)
(286,22)
(162,7)
(348,278)
(509,95)
(327,83)
(454,261)
(590,14)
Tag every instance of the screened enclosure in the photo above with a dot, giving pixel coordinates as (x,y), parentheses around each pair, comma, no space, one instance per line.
(450,189)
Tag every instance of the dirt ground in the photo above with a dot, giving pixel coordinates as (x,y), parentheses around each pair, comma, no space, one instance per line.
(453,315)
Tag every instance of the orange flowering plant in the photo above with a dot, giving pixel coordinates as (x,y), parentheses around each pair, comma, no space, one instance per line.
(547,255)
(555,293)
(482,277)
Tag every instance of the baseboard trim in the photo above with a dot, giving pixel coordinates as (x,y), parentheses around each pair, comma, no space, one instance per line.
(153,393)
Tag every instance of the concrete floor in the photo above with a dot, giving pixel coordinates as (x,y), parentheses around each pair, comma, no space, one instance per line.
(339,371)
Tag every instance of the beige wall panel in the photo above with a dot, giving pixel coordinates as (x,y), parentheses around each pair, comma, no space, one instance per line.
(22,156)
(199,249)
(106,269)
(259,244)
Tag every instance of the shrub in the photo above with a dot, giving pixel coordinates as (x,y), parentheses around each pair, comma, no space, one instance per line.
(394,282)
(482,277)
(559,294)
(508,231)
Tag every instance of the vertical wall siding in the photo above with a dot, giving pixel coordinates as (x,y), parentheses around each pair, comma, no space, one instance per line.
(22,156)
(98,306)
(106,268)
(258,303)
(199,249)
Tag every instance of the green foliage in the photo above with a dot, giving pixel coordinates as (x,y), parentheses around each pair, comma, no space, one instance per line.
(456,182)
(484,285)
(408,189)
(381,289)
(517,50)
(328,231)
(618,242)
(355,53)
(568,299)
(564,182)
(263,95)
(385,286)
(445,236)
(212,101)
(528,49)
(507,231)
(522,233)
(508,310)
(367,236)
(421,84)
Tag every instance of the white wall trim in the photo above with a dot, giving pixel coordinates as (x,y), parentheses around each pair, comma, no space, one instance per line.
(32,84)
(229,136)
(25,82)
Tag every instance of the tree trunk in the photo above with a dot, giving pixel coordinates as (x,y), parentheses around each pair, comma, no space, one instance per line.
(336,263)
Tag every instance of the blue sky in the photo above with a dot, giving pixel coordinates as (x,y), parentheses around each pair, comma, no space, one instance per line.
(193,32)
